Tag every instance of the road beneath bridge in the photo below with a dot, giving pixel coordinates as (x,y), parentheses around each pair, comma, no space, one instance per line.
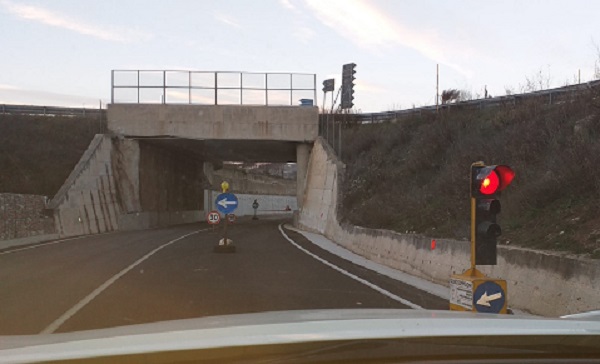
(135,277)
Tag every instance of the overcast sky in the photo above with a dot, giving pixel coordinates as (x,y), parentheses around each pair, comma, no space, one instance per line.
(62,52)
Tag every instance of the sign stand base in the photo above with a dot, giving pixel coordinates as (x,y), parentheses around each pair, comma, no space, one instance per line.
(474,291)
(224,248)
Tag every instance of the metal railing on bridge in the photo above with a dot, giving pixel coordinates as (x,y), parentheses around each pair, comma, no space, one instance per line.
(49,110)
(211,88)
(549,97)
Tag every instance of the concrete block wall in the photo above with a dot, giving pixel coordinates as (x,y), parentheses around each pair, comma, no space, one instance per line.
(23,216)
(543,283)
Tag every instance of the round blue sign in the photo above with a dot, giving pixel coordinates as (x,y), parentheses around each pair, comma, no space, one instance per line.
(226,203)
(489,297)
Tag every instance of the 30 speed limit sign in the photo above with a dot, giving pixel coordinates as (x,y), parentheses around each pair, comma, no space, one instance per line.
(213,217)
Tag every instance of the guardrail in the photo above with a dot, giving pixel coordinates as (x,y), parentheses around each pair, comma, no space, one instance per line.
(551,96)
(211,87)
(49,110)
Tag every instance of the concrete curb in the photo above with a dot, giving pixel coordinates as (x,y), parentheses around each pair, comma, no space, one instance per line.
(4,244)
(328,245)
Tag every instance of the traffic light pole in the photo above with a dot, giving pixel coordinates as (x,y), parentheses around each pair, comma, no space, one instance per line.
(473,270)
(473,250)
(473,290)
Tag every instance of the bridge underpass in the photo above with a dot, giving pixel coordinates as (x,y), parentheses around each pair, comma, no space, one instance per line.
(158,161)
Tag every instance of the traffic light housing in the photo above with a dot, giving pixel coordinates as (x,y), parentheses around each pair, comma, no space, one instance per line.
(487,182)
(348,71)
(329,85)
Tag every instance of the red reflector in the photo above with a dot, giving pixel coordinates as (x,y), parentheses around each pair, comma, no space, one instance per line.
(506,175)
(490,184)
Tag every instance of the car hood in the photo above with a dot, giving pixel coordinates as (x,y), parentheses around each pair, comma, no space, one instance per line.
(284,328)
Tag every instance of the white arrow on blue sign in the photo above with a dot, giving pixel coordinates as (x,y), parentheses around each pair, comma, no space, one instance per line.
(489,297)
(226,203)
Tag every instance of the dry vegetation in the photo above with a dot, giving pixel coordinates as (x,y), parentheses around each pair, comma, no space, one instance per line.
(412,174)
(37,153)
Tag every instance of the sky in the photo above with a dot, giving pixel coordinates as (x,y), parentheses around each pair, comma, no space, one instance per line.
(61,52)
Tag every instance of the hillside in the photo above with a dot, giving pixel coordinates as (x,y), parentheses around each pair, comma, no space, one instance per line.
(412,175)
(37,153)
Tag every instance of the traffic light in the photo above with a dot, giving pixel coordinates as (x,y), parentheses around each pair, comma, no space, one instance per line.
(348,71)
(329,85)
(486,184)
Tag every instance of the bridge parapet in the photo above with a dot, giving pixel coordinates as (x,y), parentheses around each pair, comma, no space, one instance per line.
(224,122)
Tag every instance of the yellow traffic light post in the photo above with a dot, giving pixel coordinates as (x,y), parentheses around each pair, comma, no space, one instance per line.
(472,290)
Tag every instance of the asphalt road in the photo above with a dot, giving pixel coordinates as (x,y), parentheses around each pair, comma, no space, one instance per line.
(155,275)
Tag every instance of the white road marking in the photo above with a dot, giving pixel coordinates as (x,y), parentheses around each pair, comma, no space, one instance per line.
(356,278)
(43,244)
(81,304)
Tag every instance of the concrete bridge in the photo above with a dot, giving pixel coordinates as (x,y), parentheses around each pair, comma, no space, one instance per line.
(159,163)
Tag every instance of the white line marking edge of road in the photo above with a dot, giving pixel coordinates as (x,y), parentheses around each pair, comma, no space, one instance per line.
(34,246)
(356,278)
(87,299)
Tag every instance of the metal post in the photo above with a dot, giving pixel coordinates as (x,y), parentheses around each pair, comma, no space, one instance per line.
(333,133)
(225,231)
(315,87)
(267,89)
(340,142)
(241,88)
(216,103)
(164,87)
(292,89)
(112,86)
(437,87)
(189,87)
(473,252)
(138,86)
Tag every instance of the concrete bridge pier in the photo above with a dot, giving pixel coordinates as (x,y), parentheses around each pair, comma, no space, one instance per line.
(302,158)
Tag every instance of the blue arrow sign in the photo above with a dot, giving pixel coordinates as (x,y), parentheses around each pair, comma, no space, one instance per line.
(226,203)
(489,297)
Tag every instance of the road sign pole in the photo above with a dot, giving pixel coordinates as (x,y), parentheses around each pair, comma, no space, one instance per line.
(225,230)
(226,203)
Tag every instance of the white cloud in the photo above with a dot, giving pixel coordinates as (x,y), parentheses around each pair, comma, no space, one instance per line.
(12,95)
(304,34)
(47,17)
(227,20)
(288,5)
(366,26)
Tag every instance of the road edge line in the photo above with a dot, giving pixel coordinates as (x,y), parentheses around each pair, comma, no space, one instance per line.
(348,274)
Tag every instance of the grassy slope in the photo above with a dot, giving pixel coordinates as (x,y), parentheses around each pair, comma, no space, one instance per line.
(37,153)
(413,175)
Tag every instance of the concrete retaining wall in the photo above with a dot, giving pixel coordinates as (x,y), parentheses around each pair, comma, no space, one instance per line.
(87,201)
(119,186)
(542,283)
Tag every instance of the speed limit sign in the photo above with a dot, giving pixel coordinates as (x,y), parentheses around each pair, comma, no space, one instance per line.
(213,217)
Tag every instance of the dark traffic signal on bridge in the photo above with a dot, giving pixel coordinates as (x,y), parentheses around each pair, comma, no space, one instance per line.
(487,182)
(348,71)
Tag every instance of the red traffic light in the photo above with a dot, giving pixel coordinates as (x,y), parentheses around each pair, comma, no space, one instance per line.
(492,179)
